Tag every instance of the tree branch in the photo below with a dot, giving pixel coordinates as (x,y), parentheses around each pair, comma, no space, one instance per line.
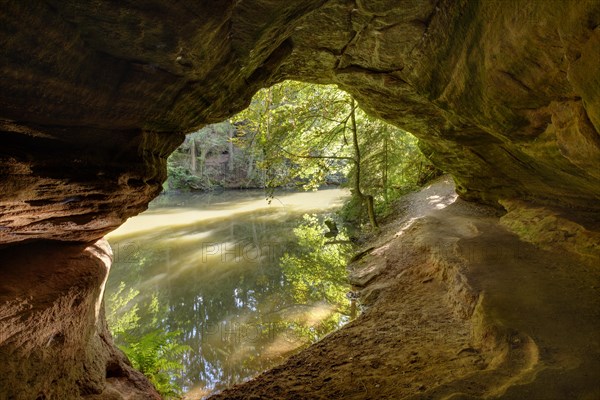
(326,157)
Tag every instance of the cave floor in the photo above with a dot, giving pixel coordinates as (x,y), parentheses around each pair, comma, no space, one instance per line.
(455,306)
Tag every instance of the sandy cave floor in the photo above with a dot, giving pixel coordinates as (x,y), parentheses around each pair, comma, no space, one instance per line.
(455,307)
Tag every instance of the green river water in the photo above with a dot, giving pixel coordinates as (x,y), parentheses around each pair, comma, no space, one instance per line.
(209,266)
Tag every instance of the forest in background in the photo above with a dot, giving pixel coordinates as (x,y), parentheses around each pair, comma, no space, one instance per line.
(292,136)
(299,135)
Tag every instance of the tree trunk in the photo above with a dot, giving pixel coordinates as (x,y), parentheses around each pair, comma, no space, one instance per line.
(193,165)
(385,169)
(362,197)
(371,211)
(203,161)
(250,163)
(230,137)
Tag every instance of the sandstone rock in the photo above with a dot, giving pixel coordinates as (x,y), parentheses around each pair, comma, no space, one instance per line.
(54,343)
(551,229)
(505,95)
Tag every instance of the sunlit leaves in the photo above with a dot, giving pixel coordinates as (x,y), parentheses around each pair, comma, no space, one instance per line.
(296,127)
(156,353)
(122,313)
(301,134)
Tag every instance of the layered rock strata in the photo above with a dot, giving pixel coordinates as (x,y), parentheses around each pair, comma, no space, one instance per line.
(504,95)
(54,340)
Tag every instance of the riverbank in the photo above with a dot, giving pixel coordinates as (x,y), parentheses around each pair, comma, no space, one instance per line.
(455,306)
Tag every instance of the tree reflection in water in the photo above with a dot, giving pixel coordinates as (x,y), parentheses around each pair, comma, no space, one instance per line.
(246,285)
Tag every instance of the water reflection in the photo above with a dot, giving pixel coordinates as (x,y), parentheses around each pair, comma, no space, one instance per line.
(214,262)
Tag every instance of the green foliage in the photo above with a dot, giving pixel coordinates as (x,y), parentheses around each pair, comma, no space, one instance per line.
(155,353)
(298,134)
(295,130)
(316,269)
(122,314)
(181,178)
(392,163)
(353,211)
(209,159)
(304,135)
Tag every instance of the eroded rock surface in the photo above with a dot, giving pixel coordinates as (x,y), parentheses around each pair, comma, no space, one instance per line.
(505,95)
(54,343)
(457,308)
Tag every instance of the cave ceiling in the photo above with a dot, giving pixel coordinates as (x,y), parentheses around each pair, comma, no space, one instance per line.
(504,95)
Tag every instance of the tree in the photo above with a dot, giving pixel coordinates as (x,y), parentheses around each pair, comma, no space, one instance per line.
(302,132)
(357,169)
(298,134)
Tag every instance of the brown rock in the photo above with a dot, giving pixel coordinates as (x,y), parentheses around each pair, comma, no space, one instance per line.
(505,95)
(54,342)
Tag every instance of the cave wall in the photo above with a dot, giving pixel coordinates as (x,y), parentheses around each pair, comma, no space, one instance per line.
(504,94)
(54,340)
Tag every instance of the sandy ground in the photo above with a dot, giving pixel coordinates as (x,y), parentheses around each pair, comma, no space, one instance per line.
(454,307)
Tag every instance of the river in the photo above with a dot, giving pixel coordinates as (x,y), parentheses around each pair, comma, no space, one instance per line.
(244,282)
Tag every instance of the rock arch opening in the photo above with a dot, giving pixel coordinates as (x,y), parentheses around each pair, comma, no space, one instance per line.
(504,95)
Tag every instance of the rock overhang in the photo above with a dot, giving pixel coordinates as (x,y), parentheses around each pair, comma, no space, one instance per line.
(503,95)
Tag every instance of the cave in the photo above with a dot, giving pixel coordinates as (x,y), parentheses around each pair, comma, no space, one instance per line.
(504,95)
